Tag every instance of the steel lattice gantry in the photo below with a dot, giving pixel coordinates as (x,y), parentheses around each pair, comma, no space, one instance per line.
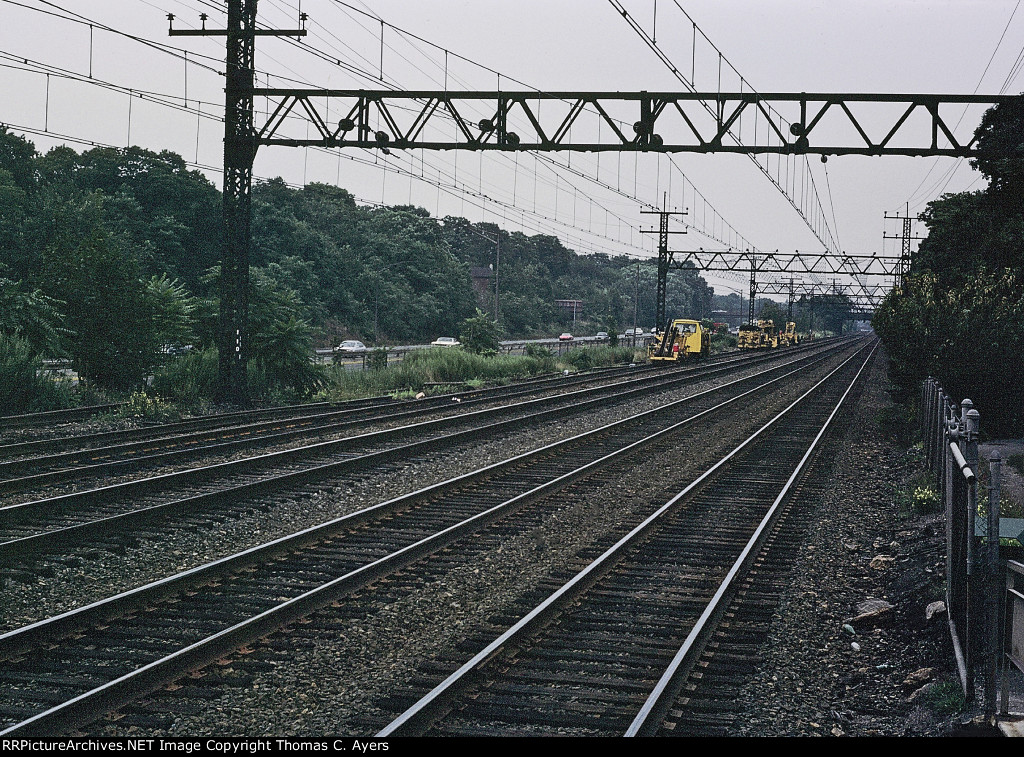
(581,121)
(908,124)
(758,262)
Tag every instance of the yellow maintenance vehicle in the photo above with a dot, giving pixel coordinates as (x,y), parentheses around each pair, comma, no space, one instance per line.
(682,338)
(789,337)
(761,336)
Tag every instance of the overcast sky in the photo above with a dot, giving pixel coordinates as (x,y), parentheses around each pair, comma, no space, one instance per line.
(895,46)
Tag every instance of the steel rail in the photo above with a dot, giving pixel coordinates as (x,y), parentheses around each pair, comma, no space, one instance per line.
(10,515)
(660,698)
(189,445)
(184,445)
(53,416)
(419,715)
(148,677)
(254,420)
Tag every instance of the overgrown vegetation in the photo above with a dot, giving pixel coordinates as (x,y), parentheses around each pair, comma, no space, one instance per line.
(447,367)
(959,315)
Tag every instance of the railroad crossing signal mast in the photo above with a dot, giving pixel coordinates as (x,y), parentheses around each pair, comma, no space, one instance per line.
(664,122)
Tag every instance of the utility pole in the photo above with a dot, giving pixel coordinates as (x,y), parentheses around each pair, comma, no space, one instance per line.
(636,296)
(903,266)
(753,286)
(497,265)
(789,310)
(239,153)
(664,256)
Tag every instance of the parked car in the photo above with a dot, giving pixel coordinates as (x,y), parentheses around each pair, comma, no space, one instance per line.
(601,335)
(351,346)
(565,337)
(445,341)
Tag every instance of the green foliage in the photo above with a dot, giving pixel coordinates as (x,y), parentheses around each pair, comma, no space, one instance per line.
(25,386)
(189,380)
(771,310)
(31,315)
(479,334)
(174,311)
(722,343)
(919,495)
(963,336)
(945,698)
(960,315)
(583,358)
(417,369)
(140,405)
(377,359)
(925,499)
(108,319)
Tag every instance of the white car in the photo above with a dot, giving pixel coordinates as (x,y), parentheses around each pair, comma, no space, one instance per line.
(445,341)
(350,346)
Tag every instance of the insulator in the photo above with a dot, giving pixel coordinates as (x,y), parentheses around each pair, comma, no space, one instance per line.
(657,140)
(346,124)
(796,129)
(382,137)
(512,138)
(643,128)
(486,124)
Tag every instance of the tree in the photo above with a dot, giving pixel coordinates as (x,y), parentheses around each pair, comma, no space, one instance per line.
(107,315)
(479,333)
(32,316)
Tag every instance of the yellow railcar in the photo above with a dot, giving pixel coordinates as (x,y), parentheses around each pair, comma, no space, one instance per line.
(682,339)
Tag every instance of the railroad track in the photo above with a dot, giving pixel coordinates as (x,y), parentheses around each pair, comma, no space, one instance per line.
(109,517)
(52,417)
(59,461)
(64,671)
(613,650)
(251,425)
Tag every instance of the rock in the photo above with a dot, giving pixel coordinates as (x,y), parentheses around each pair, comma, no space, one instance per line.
(873,605)
(847,628)
(872,613)
(420,395)
(881,562)
(854,646)
(933,609)
(920,692)
(851,546)
(837,731)
(918,678)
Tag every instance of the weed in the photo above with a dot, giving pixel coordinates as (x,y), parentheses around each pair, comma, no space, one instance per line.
(141,405)
(944,699)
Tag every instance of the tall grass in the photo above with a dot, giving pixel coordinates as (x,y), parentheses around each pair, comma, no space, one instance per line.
(25,385)
(445,365)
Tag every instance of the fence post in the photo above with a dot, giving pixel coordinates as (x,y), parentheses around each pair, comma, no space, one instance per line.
(993,589)
(970,423)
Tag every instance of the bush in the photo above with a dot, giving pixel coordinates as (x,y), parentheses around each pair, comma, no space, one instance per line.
(189,380)
(583,358)
(25,385)
(141,405)
(378,359)
(437,366)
